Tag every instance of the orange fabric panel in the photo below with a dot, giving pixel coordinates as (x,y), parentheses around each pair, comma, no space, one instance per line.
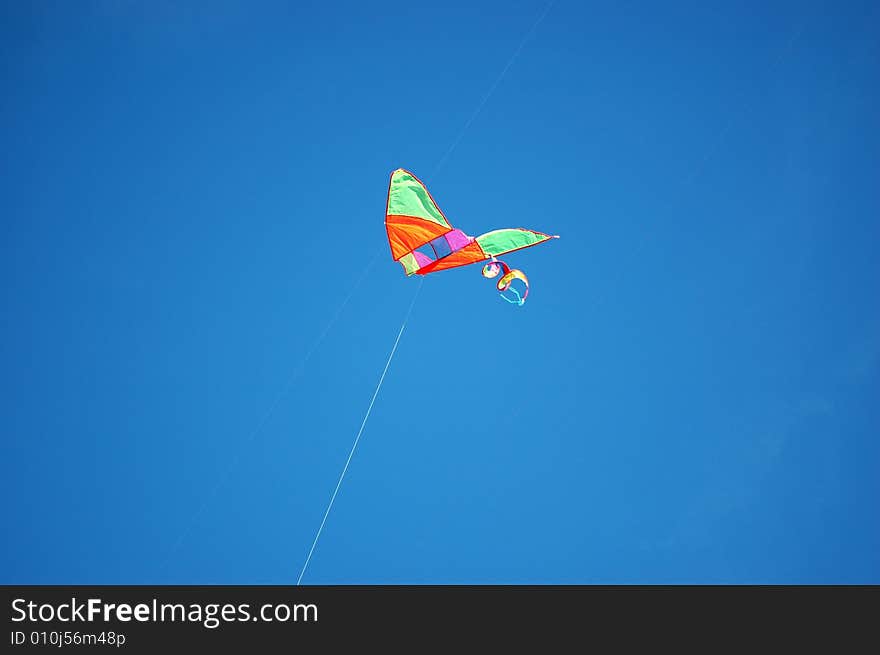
(470,254)
(406,233)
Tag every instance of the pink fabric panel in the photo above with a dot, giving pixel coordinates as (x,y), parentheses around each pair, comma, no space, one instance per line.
(457,239)
(421,260)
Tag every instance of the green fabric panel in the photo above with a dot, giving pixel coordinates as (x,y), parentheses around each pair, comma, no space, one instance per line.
(499,242)
(408,197)
(410,264)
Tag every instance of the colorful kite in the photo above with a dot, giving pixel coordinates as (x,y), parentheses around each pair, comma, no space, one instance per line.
(423,241)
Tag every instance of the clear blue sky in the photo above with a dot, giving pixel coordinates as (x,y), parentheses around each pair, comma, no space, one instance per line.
(689,395)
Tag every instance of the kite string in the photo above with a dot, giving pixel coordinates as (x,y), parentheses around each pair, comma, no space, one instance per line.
(437,167)
(360,432)
(492,88)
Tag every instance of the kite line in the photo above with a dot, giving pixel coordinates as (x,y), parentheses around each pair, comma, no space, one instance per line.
(437,167)
(495,84)
(360,431)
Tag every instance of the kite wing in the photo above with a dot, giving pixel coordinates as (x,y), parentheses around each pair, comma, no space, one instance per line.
(423,241)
